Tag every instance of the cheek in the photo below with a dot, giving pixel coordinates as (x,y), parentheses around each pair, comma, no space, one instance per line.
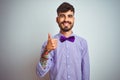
(61,20)
(72,20)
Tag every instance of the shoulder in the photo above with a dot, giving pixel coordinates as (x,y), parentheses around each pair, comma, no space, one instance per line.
(81,40)
(57,36)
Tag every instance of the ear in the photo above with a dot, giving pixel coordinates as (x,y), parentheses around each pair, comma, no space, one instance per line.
(74,18)
(57,19)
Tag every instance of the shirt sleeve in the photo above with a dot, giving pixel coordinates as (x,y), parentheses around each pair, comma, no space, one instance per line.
(39,69)
(85,62)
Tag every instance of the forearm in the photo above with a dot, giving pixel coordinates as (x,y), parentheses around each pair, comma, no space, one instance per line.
(44,63)
(44,58)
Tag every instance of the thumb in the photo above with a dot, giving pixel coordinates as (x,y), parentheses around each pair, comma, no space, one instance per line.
(49,36)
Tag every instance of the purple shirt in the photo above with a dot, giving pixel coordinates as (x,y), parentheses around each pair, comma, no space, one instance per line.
(69,61)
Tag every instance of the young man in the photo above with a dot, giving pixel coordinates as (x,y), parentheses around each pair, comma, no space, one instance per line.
(65,55)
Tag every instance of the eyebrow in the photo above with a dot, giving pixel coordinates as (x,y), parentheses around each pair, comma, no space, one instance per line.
(64,14)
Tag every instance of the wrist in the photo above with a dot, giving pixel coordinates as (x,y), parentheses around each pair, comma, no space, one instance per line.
(47,49)
(45,54)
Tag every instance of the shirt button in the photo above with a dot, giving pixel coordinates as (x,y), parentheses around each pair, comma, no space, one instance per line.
(67,56)
(67,46)
(68,76)
(68,66)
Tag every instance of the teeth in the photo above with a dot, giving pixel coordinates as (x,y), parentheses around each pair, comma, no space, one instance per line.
(66,24)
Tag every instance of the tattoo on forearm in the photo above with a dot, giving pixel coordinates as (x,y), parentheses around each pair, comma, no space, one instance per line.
(44,58)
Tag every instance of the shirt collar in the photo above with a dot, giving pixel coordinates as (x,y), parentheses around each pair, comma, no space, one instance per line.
(60,34)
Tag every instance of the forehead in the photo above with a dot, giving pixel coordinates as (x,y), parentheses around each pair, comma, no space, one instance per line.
(66,13)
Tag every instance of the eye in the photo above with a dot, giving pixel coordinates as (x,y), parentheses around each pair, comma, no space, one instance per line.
(61,15)
(70,16)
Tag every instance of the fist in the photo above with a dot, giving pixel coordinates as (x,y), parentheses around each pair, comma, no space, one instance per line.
(51,43)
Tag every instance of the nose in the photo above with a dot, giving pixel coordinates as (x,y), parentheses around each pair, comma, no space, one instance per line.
(66,18)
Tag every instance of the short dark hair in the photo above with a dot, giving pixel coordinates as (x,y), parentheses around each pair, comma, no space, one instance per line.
(64,7)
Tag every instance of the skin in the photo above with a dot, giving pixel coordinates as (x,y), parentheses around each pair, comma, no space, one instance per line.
(65,21)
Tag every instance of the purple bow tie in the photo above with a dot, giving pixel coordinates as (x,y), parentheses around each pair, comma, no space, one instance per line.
(71,38)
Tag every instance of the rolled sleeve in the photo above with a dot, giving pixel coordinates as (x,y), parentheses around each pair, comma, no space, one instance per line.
(39,69)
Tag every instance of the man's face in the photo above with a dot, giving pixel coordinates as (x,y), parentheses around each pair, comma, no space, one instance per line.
(65,20)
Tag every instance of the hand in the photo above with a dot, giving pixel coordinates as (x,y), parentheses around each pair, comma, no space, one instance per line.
(51,43)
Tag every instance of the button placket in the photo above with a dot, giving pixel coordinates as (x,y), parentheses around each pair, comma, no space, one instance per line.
(68,61)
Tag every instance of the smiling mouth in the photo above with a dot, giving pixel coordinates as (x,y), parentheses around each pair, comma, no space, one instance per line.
(66,24)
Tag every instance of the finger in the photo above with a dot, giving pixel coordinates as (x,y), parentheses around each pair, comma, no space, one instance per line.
(52,42)
(53,45)
(49,36)
(55,42)
(54,39)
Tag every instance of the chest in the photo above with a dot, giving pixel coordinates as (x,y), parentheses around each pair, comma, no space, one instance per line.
(68,50)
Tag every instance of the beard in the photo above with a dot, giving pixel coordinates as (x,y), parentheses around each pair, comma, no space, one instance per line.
(66,28)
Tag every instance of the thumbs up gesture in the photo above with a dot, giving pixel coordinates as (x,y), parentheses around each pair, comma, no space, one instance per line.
(51,43)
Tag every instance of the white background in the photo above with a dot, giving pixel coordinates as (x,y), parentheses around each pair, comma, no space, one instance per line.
(24,26)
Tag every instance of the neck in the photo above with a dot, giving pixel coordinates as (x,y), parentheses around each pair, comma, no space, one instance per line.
(66,34)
